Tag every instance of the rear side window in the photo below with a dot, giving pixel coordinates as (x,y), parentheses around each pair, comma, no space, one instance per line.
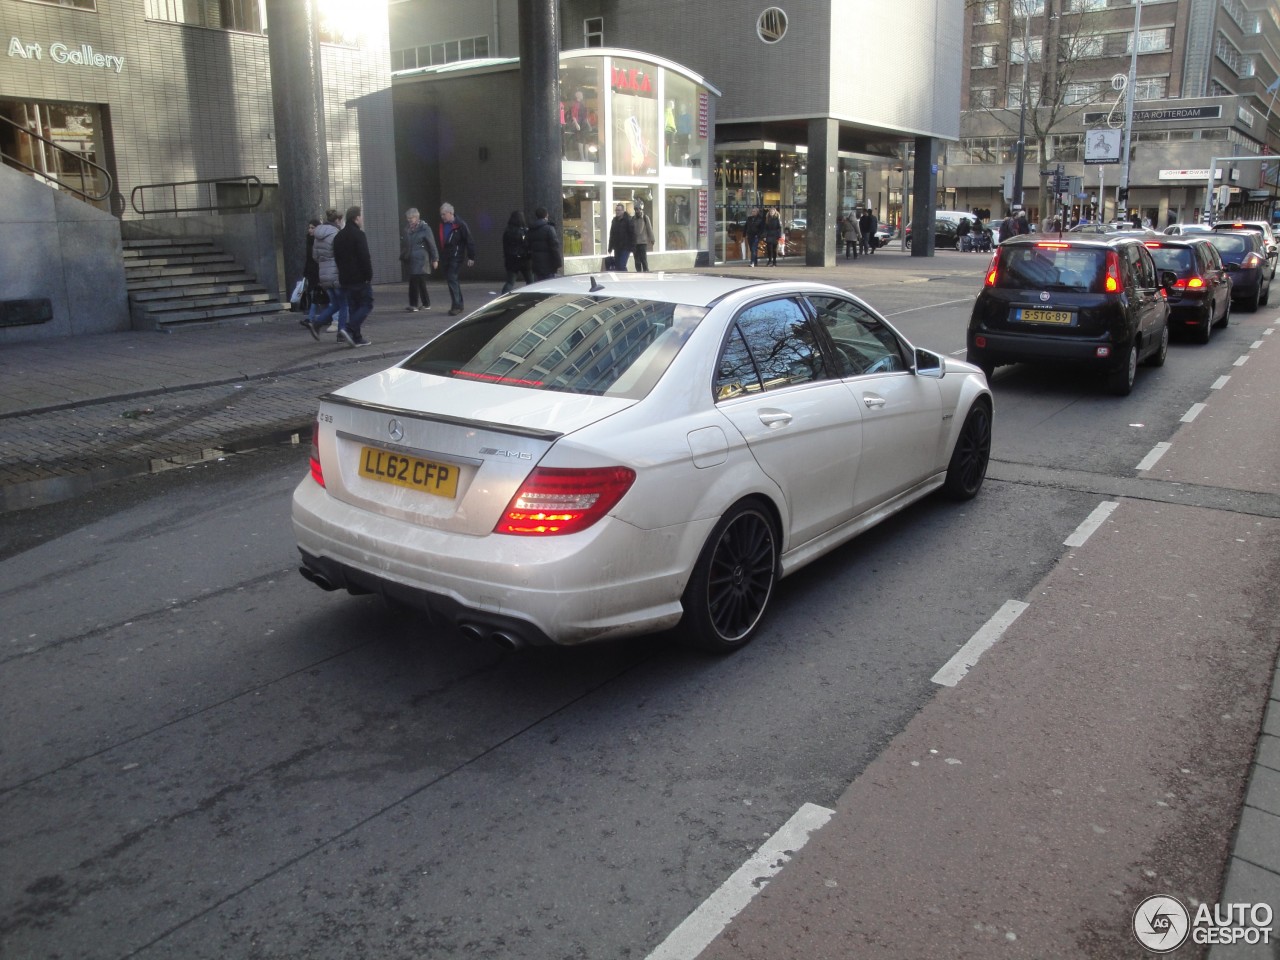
(1181,260)
(1052,266)
(771,346)
(612,346)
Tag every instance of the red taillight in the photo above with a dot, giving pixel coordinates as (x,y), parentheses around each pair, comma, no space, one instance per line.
(991,270)
(1113,284)
(317,472)
(1195,283)
(1251,261)
(1054,246)
(554,501)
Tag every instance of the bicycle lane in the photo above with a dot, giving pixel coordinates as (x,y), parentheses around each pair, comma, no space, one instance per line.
(1097,754)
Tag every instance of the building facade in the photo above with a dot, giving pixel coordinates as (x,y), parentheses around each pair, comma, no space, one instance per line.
(1205,84)
(163,92)
(807,120)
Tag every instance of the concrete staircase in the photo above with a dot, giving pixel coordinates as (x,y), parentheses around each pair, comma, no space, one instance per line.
(189,282)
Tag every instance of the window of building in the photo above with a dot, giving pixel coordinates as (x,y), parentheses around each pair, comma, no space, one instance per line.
(681,137)
(1033,49)
(1092,45)
(593,32)
(451,51)
(1227,52)
(987,12)
(247,16)
(78,4)
(634,99)
(1013,100)
(1151,88)
(1027,8)
(582,112)
(1081,6)
(984,55)
(982,97)
(1077,93)
(1158,40)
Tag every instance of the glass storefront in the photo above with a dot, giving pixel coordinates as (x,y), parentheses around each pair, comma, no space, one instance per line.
(635,131)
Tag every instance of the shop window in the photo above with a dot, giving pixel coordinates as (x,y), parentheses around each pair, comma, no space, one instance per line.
(679,221)
(683,140)
(581,111)
(583,219)
(636,145)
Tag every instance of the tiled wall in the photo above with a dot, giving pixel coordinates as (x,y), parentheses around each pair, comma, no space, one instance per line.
(190,103)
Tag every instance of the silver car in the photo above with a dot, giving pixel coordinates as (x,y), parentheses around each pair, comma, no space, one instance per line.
(596,457)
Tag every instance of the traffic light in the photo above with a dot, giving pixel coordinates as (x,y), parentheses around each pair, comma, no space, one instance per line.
(1122,196)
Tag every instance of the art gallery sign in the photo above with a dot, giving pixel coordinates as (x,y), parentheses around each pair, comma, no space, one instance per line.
(78,55)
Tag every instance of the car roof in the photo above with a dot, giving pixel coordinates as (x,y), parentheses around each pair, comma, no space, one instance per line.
(701,290)
(1099,241)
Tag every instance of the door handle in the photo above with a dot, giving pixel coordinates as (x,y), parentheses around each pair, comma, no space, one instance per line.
(771,418)
(871,400)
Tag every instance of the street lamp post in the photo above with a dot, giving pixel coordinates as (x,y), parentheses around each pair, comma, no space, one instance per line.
(1022,105)
(1131,89)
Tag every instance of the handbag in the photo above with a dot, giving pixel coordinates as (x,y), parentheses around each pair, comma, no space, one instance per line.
(296,297)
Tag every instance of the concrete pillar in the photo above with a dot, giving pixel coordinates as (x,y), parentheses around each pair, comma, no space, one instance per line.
(297,99)
(923,191)
(822,166)
(540,136)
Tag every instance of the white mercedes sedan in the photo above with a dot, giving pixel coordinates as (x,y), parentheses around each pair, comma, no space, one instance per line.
(598,456)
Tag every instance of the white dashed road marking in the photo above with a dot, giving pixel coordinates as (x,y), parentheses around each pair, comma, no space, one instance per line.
(1156,453)
(1241,361)
(713,915)
(1219,383)
(982,641)
(1090,524)
(1192,413)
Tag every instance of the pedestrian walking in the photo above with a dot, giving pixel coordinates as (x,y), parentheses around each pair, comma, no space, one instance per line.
(622,237)
(515,251)
(355,275)
(851,234)
(962,235)
(327,269)
(417,250)
(772,234)
(544,246)
(753,229)
(868,223)
(312,294)
(456,249)
(644,237)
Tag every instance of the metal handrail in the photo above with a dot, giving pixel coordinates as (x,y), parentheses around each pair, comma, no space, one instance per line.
(248,181)
(83,194)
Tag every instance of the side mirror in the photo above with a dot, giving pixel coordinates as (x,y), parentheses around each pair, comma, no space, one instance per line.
(1231,267)
(930,364)
(1168,279)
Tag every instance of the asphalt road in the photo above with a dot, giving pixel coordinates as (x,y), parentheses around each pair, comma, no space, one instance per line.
(205,756)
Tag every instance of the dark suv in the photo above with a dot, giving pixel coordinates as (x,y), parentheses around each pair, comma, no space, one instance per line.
(1088,300)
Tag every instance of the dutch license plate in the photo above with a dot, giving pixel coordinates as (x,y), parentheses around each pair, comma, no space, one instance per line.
(1046,316)
(413,473)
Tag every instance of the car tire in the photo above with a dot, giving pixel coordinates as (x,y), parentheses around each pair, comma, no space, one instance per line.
(732,581)
(1204,331)
(1251,304)
(1120,382)
(1158,358)
(1226,315)
(968,466)
(1266,297)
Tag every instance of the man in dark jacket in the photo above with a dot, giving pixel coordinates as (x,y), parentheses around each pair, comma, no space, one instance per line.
(622,237)
(752,230)
(544,246)
(456,248)
(355,274)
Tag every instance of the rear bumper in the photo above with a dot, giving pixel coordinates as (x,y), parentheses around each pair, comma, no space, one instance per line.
(1001,348)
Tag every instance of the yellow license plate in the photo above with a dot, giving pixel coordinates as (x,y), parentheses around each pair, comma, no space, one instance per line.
(413,473)
(1045,316)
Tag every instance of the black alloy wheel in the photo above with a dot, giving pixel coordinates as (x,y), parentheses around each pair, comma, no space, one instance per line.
(968,466)
(733,580)
(1158,358)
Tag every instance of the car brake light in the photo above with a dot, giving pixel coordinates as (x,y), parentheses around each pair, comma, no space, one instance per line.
(1195,283)
(317,472)
(991,270)
(1152,244)
(1113,283)
(1251,261)
(1054,246)
(555,501)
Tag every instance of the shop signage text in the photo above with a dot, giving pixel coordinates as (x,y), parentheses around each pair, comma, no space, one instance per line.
(631,81)
(79,56)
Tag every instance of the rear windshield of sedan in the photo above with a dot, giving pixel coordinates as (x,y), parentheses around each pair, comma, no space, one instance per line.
(1233,246)
(1052,266)
(1181,260)
(608,346)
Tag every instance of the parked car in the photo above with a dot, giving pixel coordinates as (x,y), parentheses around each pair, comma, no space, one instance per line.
(1260,227)
(1092,301)
(884,233)
(946,223)
(593,457)
(1201,298)
(1182,229)
(1093,228)
(1245,258)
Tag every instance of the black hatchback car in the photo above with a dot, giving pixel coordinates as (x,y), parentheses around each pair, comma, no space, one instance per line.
(1093,301)
(1201,298)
